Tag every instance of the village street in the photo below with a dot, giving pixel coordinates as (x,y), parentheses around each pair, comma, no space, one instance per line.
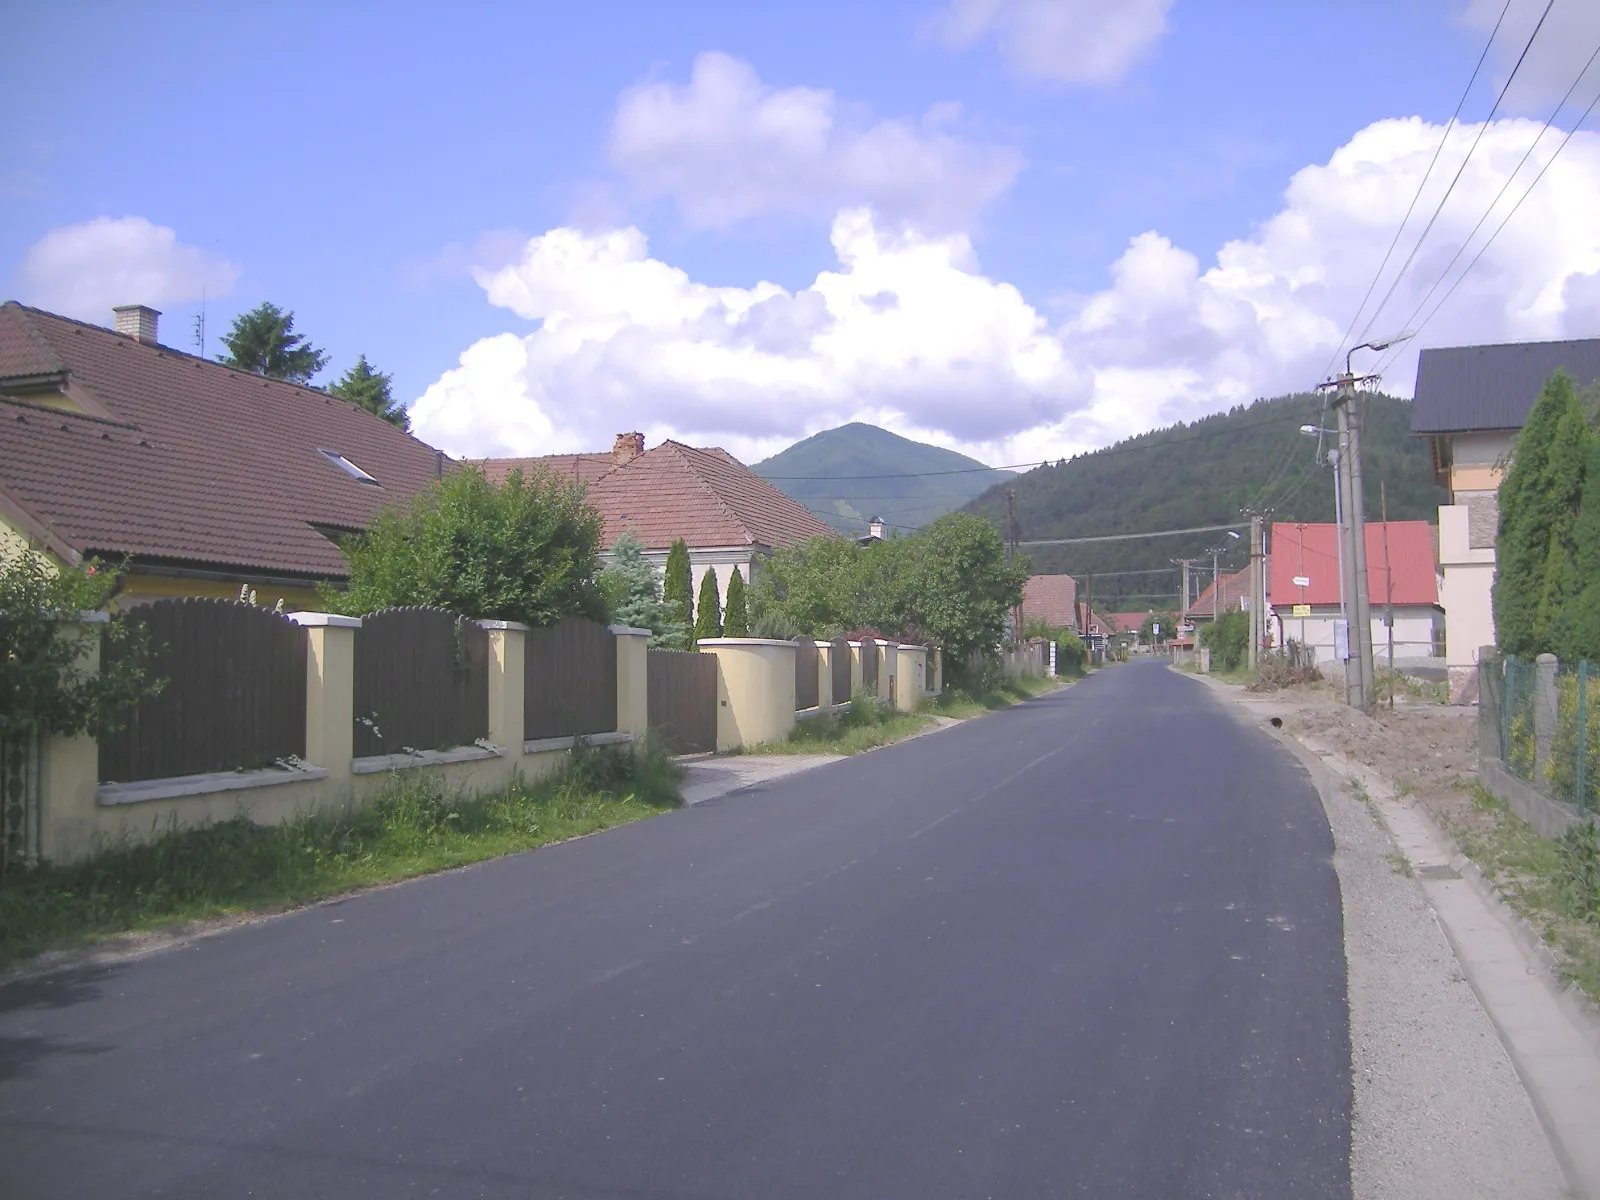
(1088,946)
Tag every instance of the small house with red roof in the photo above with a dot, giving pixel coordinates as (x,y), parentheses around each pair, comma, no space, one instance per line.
(1402,588)
(1052,599)
(1230,593)
(727,514)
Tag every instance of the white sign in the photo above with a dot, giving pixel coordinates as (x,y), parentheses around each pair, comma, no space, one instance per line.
(1302,581)
(1158,629)
(1341,640)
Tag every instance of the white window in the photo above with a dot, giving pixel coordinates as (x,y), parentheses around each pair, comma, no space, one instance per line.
(345,465)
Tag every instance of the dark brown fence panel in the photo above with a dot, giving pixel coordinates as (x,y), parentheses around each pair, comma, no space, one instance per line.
(683,699)
(570,680)
(235,693)
(869,666)
(805,673)
(422,681)
(839,665)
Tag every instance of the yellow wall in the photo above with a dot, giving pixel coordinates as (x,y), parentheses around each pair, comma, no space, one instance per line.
(138,588)
(755,690)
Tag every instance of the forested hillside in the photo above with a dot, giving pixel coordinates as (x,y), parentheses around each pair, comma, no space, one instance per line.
(857,471)
(1204,473)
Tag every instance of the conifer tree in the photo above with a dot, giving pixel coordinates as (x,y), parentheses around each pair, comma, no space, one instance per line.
(1576,632)
(372,389)
(263,340)
(736,617)
(708,614)
(675,588)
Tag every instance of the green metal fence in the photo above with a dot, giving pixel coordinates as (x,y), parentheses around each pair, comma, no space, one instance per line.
(1542,719)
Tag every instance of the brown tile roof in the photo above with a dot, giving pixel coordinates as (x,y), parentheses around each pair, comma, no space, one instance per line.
(196,463)
(706,497)
(1052,599)
(580,468)
(1235,588)
(1125,622)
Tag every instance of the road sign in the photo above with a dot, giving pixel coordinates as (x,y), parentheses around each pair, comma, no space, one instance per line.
(1301,610)
(1302,581)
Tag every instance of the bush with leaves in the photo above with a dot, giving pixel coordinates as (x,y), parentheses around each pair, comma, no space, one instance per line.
(525,550)
(736,617)
(708,609)
(44,688)
(632,588)
(1228,639)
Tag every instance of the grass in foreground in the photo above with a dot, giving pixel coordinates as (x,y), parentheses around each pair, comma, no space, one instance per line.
(1555,884)
(862,726)
(415,827)
(956,702)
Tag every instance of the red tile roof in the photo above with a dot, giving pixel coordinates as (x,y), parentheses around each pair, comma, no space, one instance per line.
(1052,599)
(580,468)
(1235,589)
(1125,622)
(1312,551)
(192,462)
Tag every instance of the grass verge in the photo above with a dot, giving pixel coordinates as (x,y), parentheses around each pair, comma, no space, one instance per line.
(413,827)
(862,726)
(955,702)
(1554,884)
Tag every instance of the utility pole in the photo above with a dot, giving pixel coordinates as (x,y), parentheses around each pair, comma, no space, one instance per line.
(1388,582)
(1258,588)
(1012,534)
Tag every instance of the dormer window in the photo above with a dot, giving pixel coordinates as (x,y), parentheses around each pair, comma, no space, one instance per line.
(345,465)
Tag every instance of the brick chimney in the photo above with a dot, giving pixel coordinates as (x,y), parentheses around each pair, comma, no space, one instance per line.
(626,448)
(138,322)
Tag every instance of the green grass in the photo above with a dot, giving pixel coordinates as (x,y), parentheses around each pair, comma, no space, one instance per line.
(956,702)
(862,726)
(414,827)
(1554,883)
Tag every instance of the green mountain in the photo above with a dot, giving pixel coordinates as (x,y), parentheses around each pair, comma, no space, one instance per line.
(855,472)
(1204,473)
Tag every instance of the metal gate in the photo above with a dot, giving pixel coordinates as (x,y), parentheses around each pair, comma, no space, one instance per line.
(682,699)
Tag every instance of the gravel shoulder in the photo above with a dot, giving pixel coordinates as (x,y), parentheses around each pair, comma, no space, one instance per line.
(1439,1109)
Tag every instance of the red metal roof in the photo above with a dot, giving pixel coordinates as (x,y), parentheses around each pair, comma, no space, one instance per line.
(1312,551)
(184,460)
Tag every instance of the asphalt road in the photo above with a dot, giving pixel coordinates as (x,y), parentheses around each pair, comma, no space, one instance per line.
(1089,946)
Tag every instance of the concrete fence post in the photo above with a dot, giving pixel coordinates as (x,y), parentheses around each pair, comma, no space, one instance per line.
(508,650)
(69,769)
(857,675)
(633,680)
(1544,714)
(888,660)
(755,690)
(825,696)
(330,694)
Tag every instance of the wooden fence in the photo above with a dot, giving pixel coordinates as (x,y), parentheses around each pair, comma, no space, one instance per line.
(805,673)
(839,667)
(869,666)
(570,680)
(421,681)
(234,697)
(682,703)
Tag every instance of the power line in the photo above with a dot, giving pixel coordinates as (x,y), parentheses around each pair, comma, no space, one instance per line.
(1126,537)
(1030,466)
(1439,149)
(1482,129)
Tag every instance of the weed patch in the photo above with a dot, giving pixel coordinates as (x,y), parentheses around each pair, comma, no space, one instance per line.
(413,827)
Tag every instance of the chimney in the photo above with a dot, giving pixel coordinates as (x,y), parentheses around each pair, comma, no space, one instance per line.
(626,448)
(138,322)
(875,528)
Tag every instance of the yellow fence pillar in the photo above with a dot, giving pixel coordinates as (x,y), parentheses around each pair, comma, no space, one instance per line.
(633,680)
(69,768)
(330,694)
(888,661)
(825,696)
(755,690)
(508,647)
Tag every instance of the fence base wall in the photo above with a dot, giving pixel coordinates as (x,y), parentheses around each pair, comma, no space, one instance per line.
(1549,818)
(755,690)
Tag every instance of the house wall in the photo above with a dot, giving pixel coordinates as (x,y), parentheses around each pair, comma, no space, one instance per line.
(1414,630)
(140,588)
(1466,550)
(1475,460)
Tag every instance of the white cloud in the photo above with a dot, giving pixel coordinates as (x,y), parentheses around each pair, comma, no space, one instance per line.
(727,147)
(1564,43)
(84,270)
(907,332)
(1088,42)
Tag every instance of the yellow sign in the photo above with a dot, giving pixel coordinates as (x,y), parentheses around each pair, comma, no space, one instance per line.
(1301,610)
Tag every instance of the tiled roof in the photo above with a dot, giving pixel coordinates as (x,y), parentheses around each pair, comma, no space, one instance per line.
(706,497)
(580,468)
(197,463)
(1235,589)
(1051,599)
(1461,388)
(1315,556)
(1126,622)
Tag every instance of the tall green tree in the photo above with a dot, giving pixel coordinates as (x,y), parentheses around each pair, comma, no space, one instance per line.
(708,610)
(676,589)
(632,587)
(263,341)
(369,388)
(736,618)
(1576,631)
(525,550)
(1539,498)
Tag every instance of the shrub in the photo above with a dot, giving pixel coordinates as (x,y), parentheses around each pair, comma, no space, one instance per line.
(1562,769)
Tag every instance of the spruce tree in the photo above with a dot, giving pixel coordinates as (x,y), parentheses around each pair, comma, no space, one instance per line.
(1538,507)
(1576,632)
(632,587)
(263,340)
(369,388)
(675,589)
(736,617)
(708,615)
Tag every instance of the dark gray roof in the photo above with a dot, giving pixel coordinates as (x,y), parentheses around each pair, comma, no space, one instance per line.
(1493,387)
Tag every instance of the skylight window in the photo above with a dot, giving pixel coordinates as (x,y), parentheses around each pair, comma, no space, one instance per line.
(345,465)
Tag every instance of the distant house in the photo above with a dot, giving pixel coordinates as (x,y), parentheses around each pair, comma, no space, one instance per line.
(1303,574)
(1052,599)
(203,478)
(1232,596)
(728,515)
(1470,401)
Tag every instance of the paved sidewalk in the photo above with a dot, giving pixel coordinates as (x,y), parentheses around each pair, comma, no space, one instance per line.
(711,777)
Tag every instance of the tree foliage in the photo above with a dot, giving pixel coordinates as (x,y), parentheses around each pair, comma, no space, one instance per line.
(677,590)
(1576,630)
(263,341)
(1536,546)
(949,584)
(44,688)
(1228,639)
(369,388)
(708,609)
(736,617)
(632,588)
(526,550)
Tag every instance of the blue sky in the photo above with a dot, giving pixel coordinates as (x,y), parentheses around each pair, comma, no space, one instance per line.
(376,167)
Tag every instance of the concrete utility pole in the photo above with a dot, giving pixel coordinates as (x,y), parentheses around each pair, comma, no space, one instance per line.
(1185,563)
(1258,588)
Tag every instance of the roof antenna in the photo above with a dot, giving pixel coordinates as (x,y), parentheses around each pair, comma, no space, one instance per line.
(200,324)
